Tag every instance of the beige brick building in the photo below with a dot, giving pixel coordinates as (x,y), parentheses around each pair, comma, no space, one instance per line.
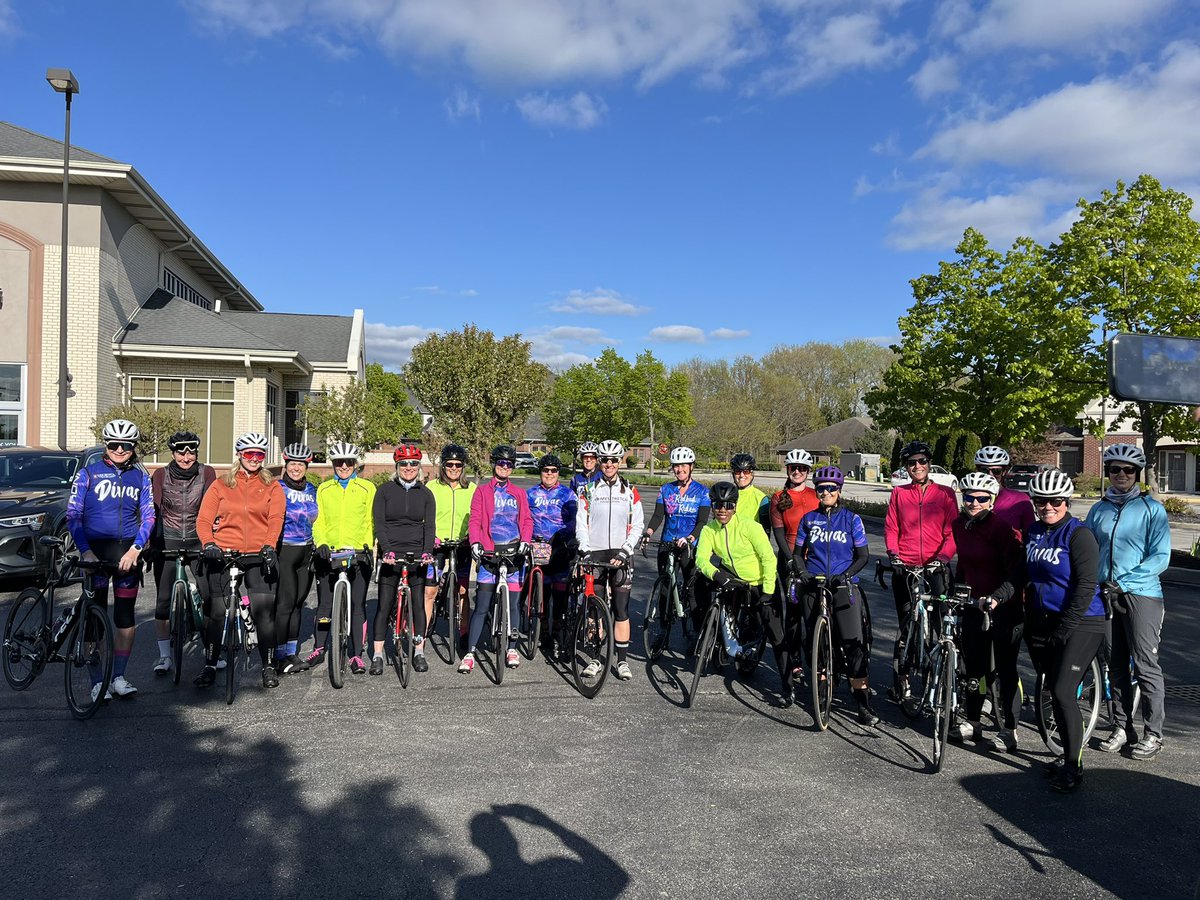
(153,316)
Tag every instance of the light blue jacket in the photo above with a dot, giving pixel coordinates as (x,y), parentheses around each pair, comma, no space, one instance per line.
(1135,543)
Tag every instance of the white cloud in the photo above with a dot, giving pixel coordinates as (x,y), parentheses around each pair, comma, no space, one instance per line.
(462,105)
(580,111)
(551,346)
(688,334)
(842,43)
(391,345)
(598,301)
(728,334)
(937,75)
(8,20)
(1075,24)
(468,292)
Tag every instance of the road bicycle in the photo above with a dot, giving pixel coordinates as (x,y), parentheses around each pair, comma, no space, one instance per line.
(187,613)
(400,622)
(588,627)
(945,676)
(500,625)
(238,635)
(339,616)
(912,667)
(664,605)
(447,604)
(717,623)
(825,657)
(81,637)
(533,599)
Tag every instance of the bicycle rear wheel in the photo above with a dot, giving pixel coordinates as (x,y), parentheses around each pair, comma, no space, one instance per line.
(22,639)
(181,629)
(1088,695)
(822,677)
(704,650)
(532,609)
(656,624)
(402,643)
(339,634)
(917,674)
(88,662)
(592,642)
(943,702)
(233,639)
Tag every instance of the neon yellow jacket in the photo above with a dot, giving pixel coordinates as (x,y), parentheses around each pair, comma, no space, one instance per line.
(750,501)
(453,509)
(743,548)
(344,514)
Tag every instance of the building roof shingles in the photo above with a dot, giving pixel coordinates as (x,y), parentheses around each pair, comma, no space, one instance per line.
(18,142)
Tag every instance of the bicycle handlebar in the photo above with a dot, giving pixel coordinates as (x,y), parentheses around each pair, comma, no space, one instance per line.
(185,555)
(95,565)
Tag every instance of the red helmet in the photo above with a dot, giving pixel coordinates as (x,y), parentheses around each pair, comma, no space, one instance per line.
(407,451)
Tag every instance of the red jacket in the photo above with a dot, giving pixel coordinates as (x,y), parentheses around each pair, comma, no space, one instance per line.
(917,527)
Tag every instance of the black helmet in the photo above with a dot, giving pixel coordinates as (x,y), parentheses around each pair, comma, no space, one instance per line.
(723,492)
(912,448)
(184,439)
(455,452)
(742,462)
(505,452)
(549,460)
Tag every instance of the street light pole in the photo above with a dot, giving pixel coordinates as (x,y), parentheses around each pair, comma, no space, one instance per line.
(65,83)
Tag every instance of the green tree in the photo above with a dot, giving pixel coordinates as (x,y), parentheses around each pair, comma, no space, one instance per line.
(387,389)
(988,343)
(156,425)
(728,412)
(656,404)
(585,403)
(367,412)
(873,440)
(1132,260)
(479,390)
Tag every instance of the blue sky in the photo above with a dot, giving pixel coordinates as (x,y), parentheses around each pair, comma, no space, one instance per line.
(709,178)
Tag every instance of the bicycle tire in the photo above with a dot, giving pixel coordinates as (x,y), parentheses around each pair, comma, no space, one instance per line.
(918,674)
(531,630)
(89,650)
(233,625)
(399,654)
(659,617)
(451,596)
(1088,695)
(943,707)
(500,628)
(180,628)
(22,636)
(409,636)
(339,634)
(593,640)
(752,650)
(821,654)
(704,651)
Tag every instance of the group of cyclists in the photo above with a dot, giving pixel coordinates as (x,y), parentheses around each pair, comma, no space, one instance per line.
(1070,588)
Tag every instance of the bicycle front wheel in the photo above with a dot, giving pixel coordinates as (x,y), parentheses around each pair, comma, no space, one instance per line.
(23,650)
(501,626)
(704,650)
(180,627)
(89,662)
(656,625)
(915,668)
(339,634)
(822,679)
(1088,697)
(943,702)
(401,661)
(592,646)
(450,594)
(233,638)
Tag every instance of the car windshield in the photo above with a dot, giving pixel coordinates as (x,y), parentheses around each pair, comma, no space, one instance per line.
(1024,468)
(36,470)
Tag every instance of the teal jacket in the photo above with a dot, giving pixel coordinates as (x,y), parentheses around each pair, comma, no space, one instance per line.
(1135,543)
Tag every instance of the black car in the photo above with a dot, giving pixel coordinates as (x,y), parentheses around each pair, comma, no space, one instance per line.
(1020,474)
(35,485)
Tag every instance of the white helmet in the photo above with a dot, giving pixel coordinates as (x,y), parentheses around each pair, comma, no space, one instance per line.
(297,453)
(683,455)
(798,458)
(992,456)
(979,481)
(588,447)
(1051,483)
(1127,453)
(610,448)
(121,430)
(251,440)
(342,450)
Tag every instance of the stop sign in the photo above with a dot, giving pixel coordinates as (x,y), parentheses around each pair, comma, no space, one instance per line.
(662,448)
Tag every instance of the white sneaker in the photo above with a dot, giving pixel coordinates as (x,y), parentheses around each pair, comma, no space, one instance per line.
(220,664)
(592,669)
(163,666)
(623,671)
(96,693)
(1005,741)
(967,731)
(121,686)
(512,659)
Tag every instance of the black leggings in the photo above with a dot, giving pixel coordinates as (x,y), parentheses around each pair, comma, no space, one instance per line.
(261,591)
(848,615)
(756,614)
(1064,666)
(125,587)
(389,584)
(618,588)
(359,574)
(295,580)
(164,577)
(1003,641)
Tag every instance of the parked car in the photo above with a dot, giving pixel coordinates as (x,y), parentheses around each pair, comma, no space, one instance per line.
(35,485)
(1020,474)
(526,461)
(937,475)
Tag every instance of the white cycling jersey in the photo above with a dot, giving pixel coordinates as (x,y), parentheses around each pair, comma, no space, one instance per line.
(610,516)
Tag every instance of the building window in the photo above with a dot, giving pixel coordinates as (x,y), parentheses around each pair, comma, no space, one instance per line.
(184,291)
(272,414)
(207,400)
(294,425)
(12,404)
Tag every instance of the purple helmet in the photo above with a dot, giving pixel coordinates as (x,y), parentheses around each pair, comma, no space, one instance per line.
(826,474)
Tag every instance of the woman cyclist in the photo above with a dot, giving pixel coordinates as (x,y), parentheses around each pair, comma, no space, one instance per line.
(344,522)
(918,532)
(832,542)
(684,504)
(405,521)
(243,511)
(452,495)
(1135,548)
(791,504)
(591,470)
(177,488)
(609,525)
(992,563)
(500,520)
(752,502)
(553,506)
(110,516)
(295,557)
(1064,611)
(1010,506)
(732,550)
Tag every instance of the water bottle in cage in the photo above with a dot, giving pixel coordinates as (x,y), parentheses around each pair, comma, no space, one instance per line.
(248,622)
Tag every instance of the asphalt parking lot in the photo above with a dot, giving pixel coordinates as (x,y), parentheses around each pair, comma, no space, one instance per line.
(457,787)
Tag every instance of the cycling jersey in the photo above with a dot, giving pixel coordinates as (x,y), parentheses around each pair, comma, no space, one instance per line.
(828,538)
(801,501)
(300,511)
(750,504)
(682,506)
(553,510)
(499,514)
(1014,508)
(344,514)
(1055,585)
(743,549)
(110,503)
(917,527)
(1134,541)
(610,516)
(245,517)
(579,479)
(453,509)
(404,517)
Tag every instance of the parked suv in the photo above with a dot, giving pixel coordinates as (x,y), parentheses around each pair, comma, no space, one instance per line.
(1020,474)
(526,460)
(35,485)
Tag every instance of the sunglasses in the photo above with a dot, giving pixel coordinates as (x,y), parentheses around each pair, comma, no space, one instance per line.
(187,448)
(976,498)
(344,463)
(550,470)
(724,504)
(504,464)
(797,467)
(1051,501)
(588,456)
(609,460)
(917,462)
(827,488)
(453,465)
(120,446)
(254,455)
(991,470)
(409,463)
(1121,470)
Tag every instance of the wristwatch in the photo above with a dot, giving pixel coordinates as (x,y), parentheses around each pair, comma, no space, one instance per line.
(138,547)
